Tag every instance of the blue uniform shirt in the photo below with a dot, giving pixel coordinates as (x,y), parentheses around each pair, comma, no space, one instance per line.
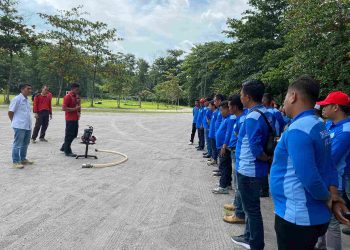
(212,124)
(221,132)
(204,119)
(340,137)
(207,118)
(218,121)
(195,114)
(279,125)
(302,171)
(199,123)
(252,137)
(236,126)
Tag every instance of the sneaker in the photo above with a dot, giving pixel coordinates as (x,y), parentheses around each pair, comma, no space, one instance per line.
(212,163)
(206,156)
(240,241)
(190,143)
(27,162)
(220,190)
(230,207)
(216,171)
(17,165)
(71,155)
(33,141)
(217,174)
(200,149)
(205,153)
(233,219)
(346,230)
(43,140)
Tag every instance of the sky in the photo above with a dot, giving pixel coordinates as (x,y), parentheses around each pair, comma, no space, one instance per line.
(148,27)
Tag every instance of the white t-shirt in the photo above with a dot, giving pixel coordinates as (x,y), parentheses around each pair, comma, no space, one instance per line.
(22,118)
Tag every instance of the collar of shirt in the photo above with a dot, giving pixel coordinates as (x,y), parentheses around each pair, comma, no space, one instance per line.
(340,123)
(304,113)
(23,97)
(255,107)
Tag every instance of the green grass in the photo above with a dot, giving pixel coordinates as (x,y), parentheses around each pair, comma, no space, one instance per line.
(112,104)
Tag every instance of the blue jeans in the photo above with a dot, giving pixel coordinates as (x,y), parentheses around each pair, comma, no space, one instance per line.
(214,150)
(208,141)
(249,188)
(236,201)
(20,145)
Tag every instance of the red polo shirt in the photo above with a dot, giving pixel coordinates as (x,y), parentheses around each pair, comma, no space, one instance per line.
(71,101)
(42,102)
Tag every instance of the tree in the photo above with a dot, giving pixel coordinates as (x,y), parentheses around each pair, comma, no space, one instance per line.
(98,36)
(14,36)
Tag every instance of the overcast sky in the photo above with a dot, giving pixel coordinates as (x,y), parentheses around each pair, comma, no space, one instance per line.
(149,27)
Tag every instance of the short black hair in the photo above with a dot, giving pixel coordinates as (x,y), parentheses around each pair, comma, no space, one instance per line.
(235,100)
(212,103)
(268,97)
(197,100)
(208,99)
(345,109)
(74,86)
(254,89)
(24,85)
(308,86)
(224,104)
(220,97)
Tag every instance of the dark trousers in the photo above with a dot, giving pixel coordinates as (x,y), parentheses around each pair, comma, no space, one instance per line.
(193,133)
(249,189)
(201,138)
(265,184)
(71,134)
(225,167)
(294,237)
(214,150)
(41,122)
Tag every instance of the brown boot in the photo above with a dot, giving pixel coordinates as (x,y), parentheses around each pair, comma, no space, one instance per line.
(233,219)
(230,207)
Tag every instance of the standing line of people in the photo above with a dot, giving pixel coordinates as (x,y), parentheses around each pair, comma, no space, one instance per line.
(309,168)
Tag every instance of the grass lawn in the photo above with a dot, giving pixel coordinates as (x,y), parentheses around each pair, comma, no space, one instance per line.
(112,104)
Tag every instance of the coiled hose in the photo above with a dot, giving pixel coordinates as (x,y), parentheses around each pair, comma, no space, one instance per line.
(105,165)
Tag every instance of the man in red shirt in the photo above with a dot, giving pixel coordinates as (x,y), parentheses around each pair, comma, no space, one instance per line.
(43,111)
(71,105)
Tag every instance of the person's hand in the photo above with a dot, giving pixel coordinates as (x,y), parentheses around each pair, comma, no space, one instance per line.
(36,115)
(77,107)
(222,152)
(339,209)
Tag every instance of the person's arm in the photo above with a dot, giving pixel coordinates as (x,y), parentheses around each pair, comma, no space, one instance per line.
(50,106)
(12,108)
(302,154)
(255,135)
(66,102)
(35,106)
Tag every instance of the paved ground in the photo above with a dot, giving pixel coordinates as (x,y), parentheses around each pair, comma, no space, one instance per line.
(159,199)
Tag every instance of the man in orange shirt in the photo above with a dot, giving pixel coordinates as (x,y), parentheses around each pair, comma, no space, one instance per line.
(71,106)
(43,112)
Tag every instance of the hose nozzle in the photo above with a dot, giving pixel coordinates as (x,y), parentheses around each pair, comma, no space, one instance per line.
(88,165)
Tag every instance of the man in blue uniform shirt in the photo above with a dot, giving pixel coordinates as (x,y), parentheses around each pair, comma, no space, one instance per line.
(236,108)
(303,179)
(199,125)
(206,120)
(336,109)
(252,163)
(214,151)
(194,121)
(223,136)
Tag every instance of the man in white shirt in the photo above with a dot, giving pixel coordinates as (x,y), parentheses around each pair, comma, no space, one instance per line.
(21,122)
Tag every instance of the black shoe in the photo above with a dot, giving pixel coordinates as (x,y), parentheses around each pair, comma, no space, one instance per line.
(216,171)
(62,149)
(200,149)
(346,230)
(207,156)
(71,155)
(239,240)
(205,153)
(217,174)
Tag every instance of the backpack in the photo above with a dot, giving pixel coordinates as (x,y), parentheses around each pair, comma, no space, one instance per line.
(270,145)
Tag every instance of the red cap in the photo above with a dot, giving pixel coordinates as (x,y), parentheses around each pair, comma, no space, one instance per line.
(202,100)
(337,97)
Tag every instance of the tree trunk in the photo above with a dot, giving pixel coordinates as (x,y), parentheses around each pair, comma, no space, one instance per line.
(60,84)
(93,90)
(118,102)
(140,104)
(9,83)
